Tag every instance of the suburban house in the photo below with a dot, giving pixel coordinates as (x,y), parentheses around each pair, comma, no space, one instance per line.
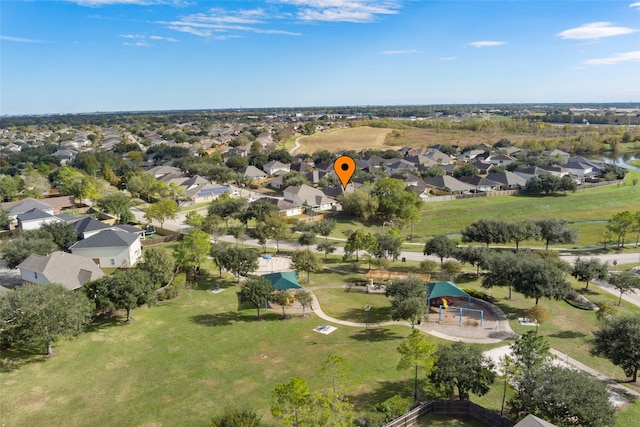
(285,208)
(25,205)
(209,192)
(559,154)
(275,167)
(68,270)
(110,248)
(482,184)
(306,196)
(448,184)
(500,159)
(34,219)
(508,180)
(88,226)
(251,172)
(399,166)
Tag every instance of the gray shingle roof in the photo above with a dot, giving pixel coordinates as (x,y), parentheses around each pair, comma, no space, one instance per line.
(71,271)
(89,224)
(34,214)
(107,239)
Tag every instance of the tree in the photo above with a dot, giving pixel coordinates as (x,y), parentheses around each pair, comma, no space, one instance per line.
(273,227)
(568,184)
(35,314)
(531,351)
(355,243)
(624,282)
(620,224)
(536,278)
(463,367)
(260,210)
(544,183)
(158,264)
(359,204)
(227,207)
(305,299)
(554,231)
(409,299)
(306,261)
(62,234)
(294,178)
(144,184)
(307,238)
(218,253)
(619,341)
(283,298)
(465,170)
(257,291)
(586,270)
(442,246)
(288,399)
(237,418)
(486,231)
(450,269)
(474,255)
(387,246)
(192,251)
(10,187)
(523,230)
(237,162)
(161,211)
(326,247)
(17,250)
(564,397)
(416,353)
(116,204)
(130,289)
(502,268)
(393,198)
(239,261)
(537,313)
(324,227)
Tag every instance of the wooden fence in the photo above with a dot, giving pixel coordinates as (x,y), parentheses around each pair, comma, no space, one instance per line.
(452,407)
(157,240)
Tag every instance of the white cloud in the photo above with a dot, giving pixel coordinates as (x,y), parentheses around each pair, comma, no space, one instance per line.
(132,36)
(361,11)
(166,39)
(635,5)
(21,40)
(486,43)
(447,58)
(399,52)
(594,30)
(138,44)
(99,3)
(615,58)
(221,21)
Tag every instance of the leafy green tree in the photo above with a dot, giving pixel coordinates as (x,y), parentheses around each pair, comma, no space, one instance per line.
(545,183)
(227,207)
(273,227)
(192,250)
(619,341)
(305,299)
(360,204)
(281,155)
(586,270)
(337,375)
(486,231)
(294,178)
(161,211)
(324,227)
(474,255)
(326,247)
(4,218)
(536,278)
(233,417)
(554,231)
(116,204)
(393,198)
(239,261)
(531,351)
(307,238)
(306,261)
(283,298)
(288,399)
(17,250)
(502,268)
(564,397)
(61,233)
(10,187)
(158,264)
(416,353)
(620,224)
(387,245)
(441,246)
(257,291)
(237,162)
(624,282)
(218,254)
(450,269)
(568,184)
(260,210)
(523,230)
(130,289)
(465,170)
(409,299)
(355,243)
(33,314)
(462,367)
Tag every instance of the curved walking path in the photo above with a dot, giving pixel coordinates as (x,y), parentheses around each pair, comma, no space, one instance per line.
(504,329)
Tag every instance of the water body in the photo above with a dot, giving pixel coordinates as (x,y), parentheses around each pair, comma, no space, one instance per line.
(622,161)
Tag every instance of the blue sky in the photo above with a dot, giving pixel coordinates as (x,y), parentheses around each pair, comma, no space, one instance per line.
(122,55)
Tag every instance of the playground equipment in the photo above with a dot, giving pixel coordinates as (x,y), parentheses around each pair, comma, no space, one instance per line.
(460,311)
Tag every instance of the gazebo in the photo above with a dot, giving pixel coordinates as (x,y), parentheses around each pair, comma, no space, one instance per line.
(445,289)
(283,280)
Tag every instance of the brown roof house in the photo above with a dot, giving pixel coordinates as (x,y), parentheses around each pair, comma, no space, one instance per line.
(71,271)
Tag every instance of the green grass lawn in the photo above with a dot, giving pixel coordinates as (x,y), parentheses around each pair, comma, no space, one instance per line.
(597,204)
(183,361)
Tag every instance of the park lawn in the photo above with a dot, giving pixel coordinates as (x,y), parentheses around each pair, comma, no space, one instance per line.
(180,363)
(360,138)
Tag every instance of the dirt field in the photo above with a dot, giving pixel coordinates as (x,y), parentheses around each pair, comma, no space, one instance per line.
(344,139)
(382,138)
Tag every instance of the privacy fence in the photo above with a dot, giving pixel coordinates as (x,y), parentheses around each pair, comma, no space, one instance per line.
(452,407)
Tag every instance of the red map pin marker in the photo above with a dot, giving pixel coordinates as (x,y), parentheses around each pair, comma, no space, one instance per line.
(344,166)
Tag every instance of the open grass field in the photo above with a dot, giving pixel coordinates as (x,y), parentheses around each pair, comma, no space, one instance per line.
(587,211)
(344,139)
(415,137)
(183,361)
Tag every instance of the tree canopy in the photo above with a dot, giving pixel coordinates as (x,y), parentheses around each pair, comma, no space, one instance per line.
(619,341)
(462,367)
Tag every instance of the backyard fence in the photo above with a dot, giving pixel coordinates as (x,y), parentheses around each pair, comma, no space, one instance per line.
(452,407)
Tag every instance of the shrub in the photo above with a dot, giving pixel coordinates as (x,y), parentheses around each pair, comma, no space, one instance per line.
(480,295)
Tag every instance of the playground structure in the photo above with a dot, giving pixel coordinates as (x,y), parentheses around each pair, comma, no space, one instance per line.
(447,300)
